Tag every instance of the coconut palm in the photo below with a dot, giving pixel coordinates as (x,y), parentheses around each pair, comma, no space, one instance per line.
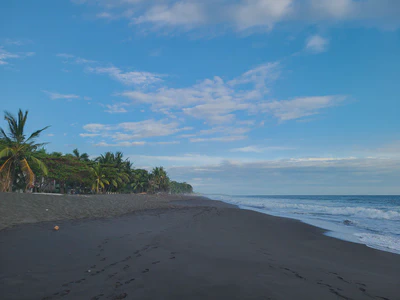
(140,180)
(81,157)
(99,178)
(19,152)
(159,179)
(117,169)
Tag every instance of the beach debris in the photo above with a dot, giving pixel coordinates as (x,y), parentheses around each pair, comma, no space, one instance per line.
(89,271)
(47,209)
(56,228)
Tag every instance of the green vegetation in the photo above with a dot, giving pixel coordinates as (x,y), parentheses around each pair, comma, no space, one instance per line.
(26,166)
(18,154)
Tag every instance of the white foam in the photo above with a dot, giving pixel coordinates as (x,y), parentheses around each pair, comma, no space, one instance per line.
(379,241)
(361,212)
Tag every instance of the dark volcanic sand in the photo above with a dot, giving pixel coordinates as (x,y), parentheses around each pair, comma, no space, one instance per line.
(200,249)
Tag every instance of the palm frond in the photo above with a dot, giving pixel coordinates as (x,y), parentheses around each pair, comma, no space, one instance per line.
(21,123)
(36,133)
(7,162)
(27,171)
(12,124)
(114,183)
(40,164)
(6,152)
(4,136)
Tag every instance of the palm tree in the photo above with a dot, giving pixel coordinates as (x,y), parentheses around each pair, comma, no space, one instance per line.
(117,169)
(140,180)
(81,157)
(159,179)
(18,152)
(99,178)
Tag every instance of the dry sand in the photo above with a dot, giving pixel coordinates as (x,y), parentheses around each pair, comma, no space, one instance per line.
(187,249)
(16,208)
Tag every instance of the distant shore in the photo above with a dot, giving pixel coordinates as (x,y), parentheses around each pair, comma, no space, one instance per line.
(177,247)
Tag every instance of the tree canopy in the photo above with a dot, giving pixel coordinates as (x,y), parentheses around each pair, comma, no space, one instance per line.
(26,165)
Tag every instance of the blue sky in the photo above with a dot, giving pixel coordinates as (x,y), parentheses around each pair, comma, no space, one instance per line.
(240,97)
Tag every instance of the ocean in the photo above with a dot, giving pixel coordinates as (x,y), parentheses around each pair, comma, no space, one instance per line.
(370,220)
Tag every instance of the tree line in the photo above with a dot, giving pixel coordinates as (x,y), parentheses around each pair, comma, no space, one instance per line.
(25,165)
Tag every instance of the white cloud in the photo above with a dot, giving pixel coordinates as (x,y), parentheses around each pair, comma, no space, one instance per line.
(219,139)
(255,13)
(300,107)
(105,15)
(260,15)
(50,134)
(65,55)
(167,143)
(17,42)
(178,160)
(5,55)
(87,98)
(128,131)
(128,78)
(317,44)
(121,144)
(219,102)
(89,134)
(54,96)
(97,127)
(187,14)
(72,59)
(133,144)
(257,149)
(213,100)
(116,108)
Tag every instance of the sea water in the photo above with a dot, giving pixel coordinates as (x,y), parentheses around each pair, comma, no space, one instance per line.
(370,220)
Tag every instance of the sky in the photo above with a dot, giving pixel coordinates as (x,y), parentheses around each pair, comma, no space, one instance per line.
(232,96)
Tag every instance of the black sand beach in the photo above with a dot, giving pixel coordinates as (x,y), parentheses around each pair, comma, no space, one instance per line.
(192,248)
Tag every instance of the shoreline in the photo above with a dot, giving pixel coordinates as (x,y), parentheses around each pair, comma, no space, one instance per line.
(188,248)
(348,233)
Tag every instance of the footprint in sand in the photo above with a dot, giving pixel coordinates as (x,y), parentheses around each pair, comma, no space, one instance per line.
(97,272)
(145,270)
(97,297)
(118,284)
(126,267)
(103,259)
(129,281)
(65,293)
(342,279)
(121,296)
(155,262)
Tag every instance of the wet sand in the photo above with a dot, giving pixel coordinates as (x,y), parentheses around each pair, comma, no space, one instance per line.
(192,249)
